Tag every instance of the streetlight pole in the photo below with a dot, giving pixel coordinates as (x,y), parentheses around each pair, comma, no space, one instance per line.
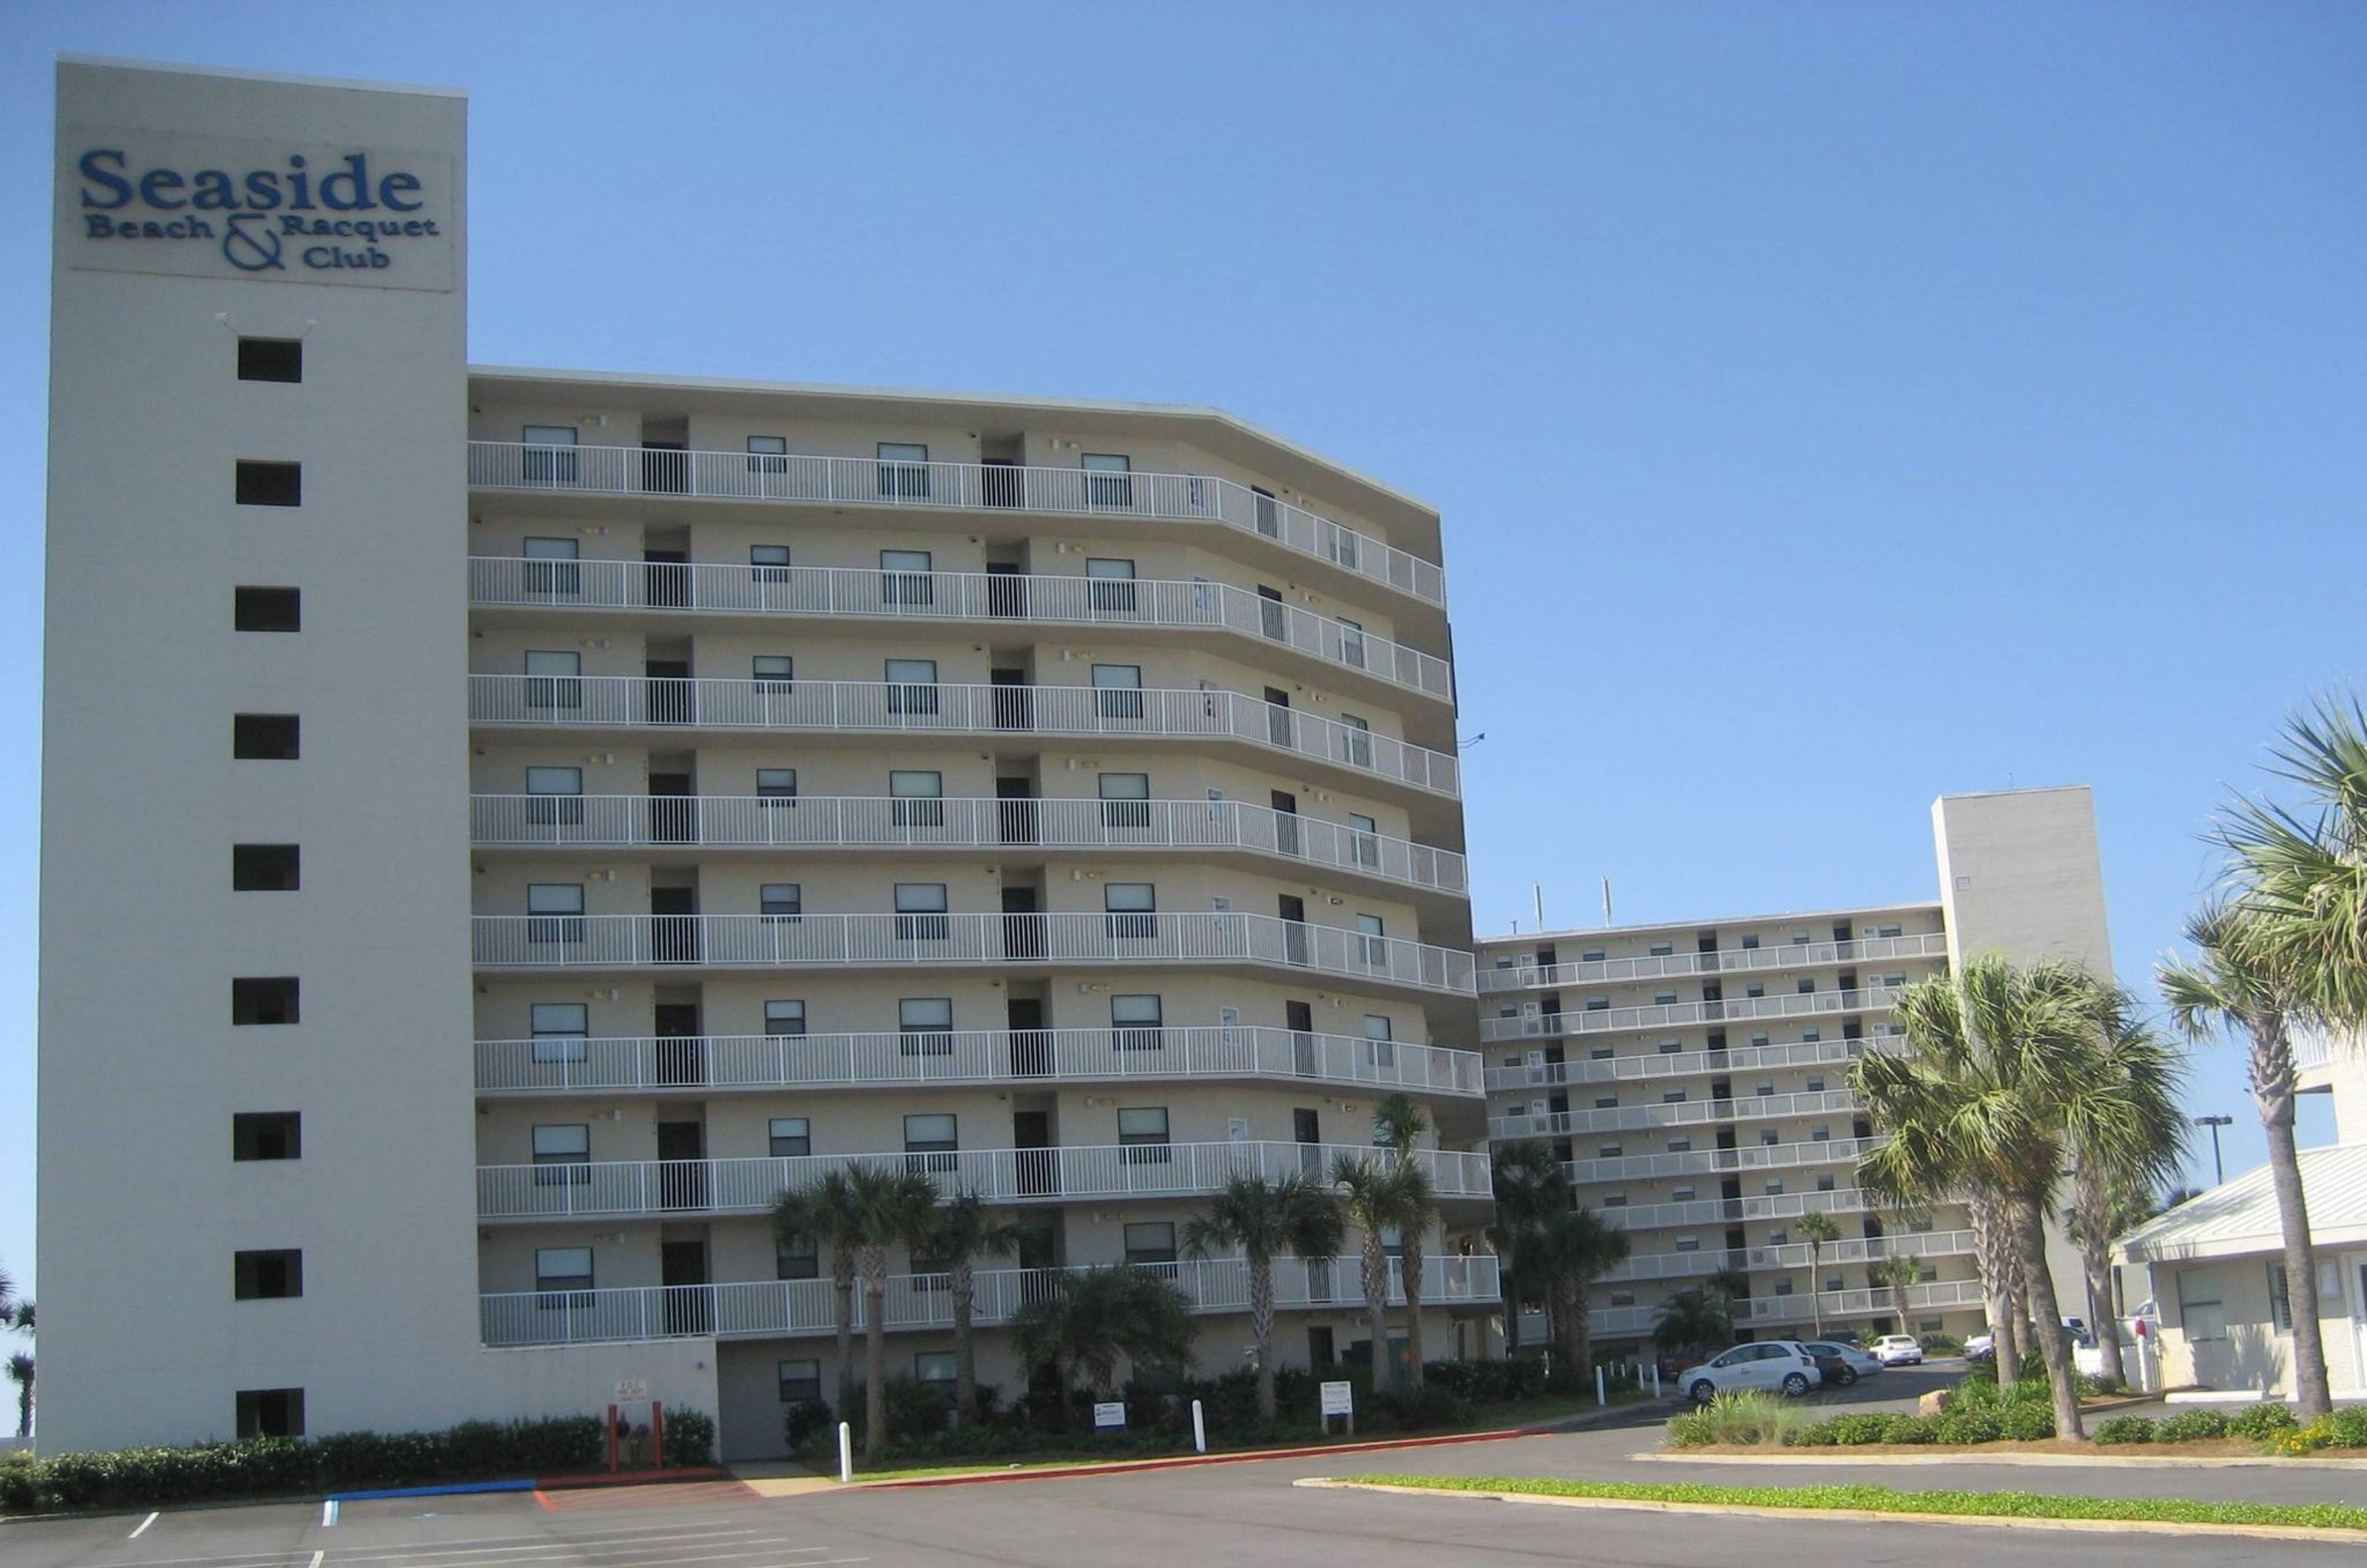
(2218,1169)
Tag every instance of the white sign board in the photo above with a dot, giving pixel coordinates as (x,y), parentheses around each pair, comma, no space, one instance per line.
(1109,1414)
(632,1388)
(1339,1399)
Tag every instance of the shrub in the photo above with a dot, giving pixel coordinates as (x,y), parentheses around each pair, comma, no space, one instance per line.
(2026,1422)
(689,1438)
(1748,1418)
(2125,1429)
(1844,1431)
(1434,1406)
(1910,1428)
(916,1411)
(805,1421)
(1692,1430)
(2190,1425)
(2261,1421)
(1968,1424)
(2094,1387)
(1488,1382)
(1941,1344)
(2347,1427)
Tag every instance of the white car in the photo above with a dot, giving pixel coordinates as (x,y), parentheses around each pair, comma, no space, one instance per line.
(1842,1364)
(1898,1350)
(1773,1366)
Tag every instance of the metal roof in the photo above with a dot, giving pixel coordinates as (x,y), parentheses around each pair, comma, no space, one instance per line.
(2239,1217)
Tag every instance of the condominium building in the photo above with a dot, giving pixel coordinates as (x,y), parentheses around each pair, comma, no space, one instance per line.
(599,803)
(1694,1075)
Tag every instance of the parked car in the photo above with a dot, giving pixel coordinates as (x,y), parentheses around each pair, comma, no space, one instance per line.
(1843,1364)
(1981,1347)
(1777,1366)
(1898,1350)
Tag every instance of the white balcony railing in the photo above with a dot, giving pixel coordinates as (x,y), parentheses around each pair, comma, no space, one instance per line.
(1697,1162)
(1666,1015)
(1708,1260)
(1727,960)
(828,590)
(1678,1113)
(1837,1304)
(1729,1211)
(970,487)
(932,941)
(602,702)
(1543,1074)
(1001,1175)
(854,822)
(970,1056)
(789,1307)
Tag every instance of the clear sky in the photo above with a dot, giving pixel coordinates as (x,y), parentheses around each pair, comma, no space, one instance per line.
(1832,406)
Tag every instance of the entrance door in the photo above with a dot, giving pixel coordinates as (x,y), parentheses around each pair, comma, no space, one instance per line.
(1014,701)
(1022,928)
(666,578)
(1319,1352)
(673,809)
(1293,910)
(1006,591)
(1031,1044)
(673,699)
(1271,621)
(681,1052)
(1306,1131)
(1278,716)
(1285,821)
(1038,1162)
(682,1165)
(682,1270)
(673,925)
(1300,1018)
(665,467)
(1005,483)
(1015,812)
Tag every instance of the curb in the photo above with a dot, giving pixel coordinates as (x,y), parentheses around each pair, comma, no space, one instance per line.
(672,1474)
(1965,1458)
(2329,1536)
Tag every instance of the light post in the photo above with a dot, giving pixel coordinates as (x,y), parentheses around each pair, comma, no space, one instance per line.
(2218,1170)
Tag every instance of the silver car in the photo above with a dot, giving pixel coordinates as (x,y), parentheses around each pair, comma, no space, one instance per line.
(1773,1366)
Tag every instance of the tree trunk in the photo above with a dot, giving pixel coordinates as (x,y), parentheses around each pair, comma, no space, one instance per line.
(844,1285)
(875,1362)
(1510,1288)
(1261,1331)
(2029,1233)
(2273,1092)
(965,1291)
(1582,1330)
(1817,1287)
(1376,1306)
(1410,1276)
(1992,1250)
(2091,1200)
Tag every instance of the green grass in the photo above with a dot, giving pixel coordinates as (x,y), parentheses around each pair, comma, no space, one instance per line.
(1890,1500)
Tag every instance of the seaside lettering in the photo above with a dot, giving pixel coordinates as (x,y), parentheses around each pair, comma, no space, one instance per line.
(264,216)
(108,187)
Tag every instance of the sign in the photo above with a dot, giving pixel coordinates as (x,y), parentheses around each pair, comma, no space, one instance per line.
(632,1388)
(1111,1413)
(1339,1399)
(214,207)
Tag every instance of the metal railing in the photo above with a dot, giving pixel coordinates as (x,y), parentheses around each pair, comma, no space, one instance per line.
(1729,1211)
(970,486)
(1664,1015)
(715,587)
(1794,1255)
(1685,1063)
(792,1307)
(816,822)
(719,1062)
(925,940)
(1727,960)
(1697,1162)
(1677,1114)
(1001,1175)
(1764,1309)
(1133,712)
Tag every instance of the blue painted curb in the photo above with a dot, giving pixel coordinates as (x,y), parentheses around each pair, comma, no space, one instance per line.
(432,1491)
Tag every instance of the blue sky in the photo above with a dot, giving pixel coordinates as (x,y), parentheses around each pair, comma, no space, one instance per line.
(1830,406)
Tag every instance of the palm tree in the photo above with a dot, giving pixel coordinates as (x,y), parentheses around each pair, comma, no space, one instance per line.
(2235,981)
(1264,1219)
(2126,1129)
(1578,1248)
(895,1205)
(1978,1103)
(1728,1281)
(1093,1316)
(827,1215)
(1396,1196)
(20,1373)
(1531,1187)
(2303,870)
(961,1232)
(1819,1228)
(1398,1122)
(24,1315)
(1897,1274)
(1692,1320)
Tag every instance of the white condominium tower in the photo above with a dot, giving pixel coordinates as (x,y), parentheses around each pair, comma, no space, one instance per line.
(1692,1076)
(580,807)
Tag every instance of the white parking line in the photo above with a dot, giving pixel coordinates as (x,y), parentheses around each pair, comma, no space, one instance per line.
(135,1535)
(329,1513)
(316,1558)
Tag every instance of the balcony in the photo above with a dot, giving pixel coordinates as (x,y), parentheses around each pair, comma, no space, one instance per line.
(1729,1211)
(1128,714)
(1681,1064)
(1128,604)
(1727,960)
(1767,1311)
(1062,1174)
(992,1057)
(1697,1162)
(942,940)
(1678,1113)
(1860,1250)
(807,823)
(951,487)
(781,1308)
(1670,1015)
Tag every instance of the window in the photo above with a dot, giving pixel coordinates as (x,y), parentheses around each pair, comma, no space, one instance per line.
(781,900)
(1774,1187)
(266,1135)
(1615,1199)
(1754,989)
(768,563)
(1759,1042)
(268,609)
(562,1269)
(933,1368)
(799,1259)
(1889,930)
(921,912)
(1749,943)
(1380,1045)
(1672,1096)
(270,1412)
(1807,985)
(800,1381)
(266,737)
(1142,1132)
(1136,1023)
(271,360)
(1662,949)
(1782,1287)
(1681,1194)
(554,797)
(1108,478)
(264,999)
(1131,908)
(1598,1004)
(1151,1244)
(1664,999)
(1892,982)
(930,1141)
(269,484)
(1118,691)
(1371,942)
(1672,1047)
(925,1026)
(564,1151)
(1680,1145)
(1816,1085)
(776,786)
(1820,1134)
(1687,1244)
(784,1019)
(768,455)
(555,911)
(1593,1053)
(1824,1184)
(1778,1237)
(1126,800)
(1356,741)
(1111,589)
(2279,1298)
(1351,643)
(1606,1101)
(1363,840)
(1811,1036)
(266,868)
(912,685)
(917,797)
(267,1276)
(1623,1298)
(1609,1151)
(774,673)
(1767,1136)
(905,579)
(790,1137)
(560,1030)
(1764,1088)
(904,469)
(550,568)
(550,454)
(553,679)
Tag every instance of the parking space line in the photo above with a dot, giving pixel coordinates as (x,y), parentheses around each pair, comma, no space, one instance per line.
(136,1534)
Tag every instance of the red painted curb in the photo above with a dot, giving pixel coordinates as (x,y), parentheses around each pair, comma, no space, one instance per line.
(1188,1461)
(634,1478)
